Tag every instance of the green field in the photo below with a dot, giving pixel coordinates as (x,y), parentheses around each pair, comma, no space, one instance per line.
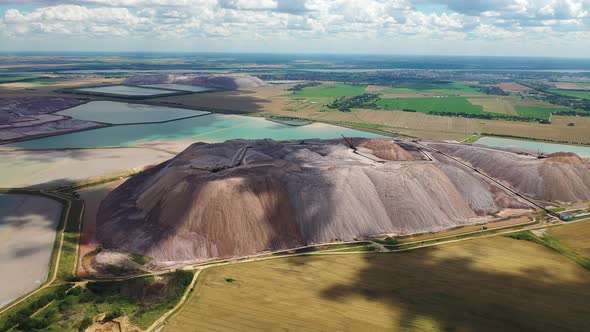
(572,93)
(429,105)
(331,91)
(43,83)
(537,112)
(451,88)
(492,284)
(8,79)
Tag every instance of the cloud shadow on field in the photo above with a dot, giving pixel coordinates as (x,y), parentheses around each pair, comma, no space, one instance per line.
(458,296)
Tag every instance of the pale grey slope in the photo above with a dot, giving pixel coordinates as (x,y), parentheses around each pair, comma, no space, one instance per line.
(242,197)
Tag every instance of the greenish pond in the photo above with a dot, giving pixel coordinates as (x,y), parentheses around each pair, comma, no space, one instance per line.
(117,113)
(582,151)
(213,127)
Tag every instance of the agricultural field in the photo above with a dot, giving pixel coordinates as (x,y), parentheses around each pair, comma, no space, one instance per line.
(537,112)
(495,105)
(430,105)
(575,236)
(450,88)
(331,91)
(572,93)
(573,85)
(513,87)
(493,284)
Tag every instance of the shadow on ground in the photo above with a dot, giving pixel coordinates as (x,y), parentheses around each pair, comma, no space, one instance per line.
(458,296)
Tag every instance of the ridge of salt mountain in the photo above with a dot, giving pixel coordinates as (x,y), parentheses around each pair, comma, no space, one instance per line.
(562,176)
(228,82)
(242,197)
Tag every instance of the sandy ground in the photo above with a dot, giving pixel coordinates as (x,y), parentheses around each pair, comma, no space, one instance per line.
(92,197)
(27,233)
(44,168)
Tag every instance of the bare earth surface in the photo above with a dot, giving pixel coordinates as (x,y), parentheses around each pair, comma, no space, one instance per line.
(24,168)
(27,233)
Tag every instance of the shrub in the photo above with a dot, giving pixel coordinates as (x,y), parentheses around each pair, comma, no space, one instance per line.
(182,277)
(86,321)
(75,291)
(114,314)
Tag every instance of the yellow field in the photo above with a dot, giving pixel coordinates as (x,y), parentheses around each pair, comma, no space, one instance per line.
(575,236)
(495,105)
(494,284)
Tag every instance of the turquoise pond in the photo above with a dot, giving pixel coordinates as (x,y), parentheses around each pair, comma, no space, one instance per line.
(209,128)
(126,90)
(580,150)
(117,113)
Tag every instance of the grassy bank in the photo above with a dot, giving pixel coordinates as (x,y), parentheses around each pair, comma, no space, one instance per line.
(555,244)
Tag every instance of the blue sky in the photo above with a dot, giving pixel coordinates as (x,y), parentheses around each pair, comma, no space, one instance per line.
(457,27)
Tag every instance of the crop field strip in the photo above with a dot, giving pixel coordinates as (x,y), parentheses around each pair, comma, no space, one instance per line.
(451,88)
(572,93)
(494,104)
(430,105)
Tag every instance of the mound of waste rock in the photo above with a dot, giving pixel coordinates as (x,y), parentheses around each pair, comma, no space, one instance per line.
(242,197)
(11,109)
(561,176)
(227,82)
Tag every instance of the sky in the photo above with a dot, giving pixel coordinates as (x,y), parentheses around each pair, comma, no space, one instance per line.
(543,28)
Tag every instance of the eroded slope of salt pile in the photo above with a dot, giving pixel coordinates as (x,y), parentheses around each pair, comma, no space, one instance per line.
(561,176)
(483,196)
(230,82)
(242,197)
